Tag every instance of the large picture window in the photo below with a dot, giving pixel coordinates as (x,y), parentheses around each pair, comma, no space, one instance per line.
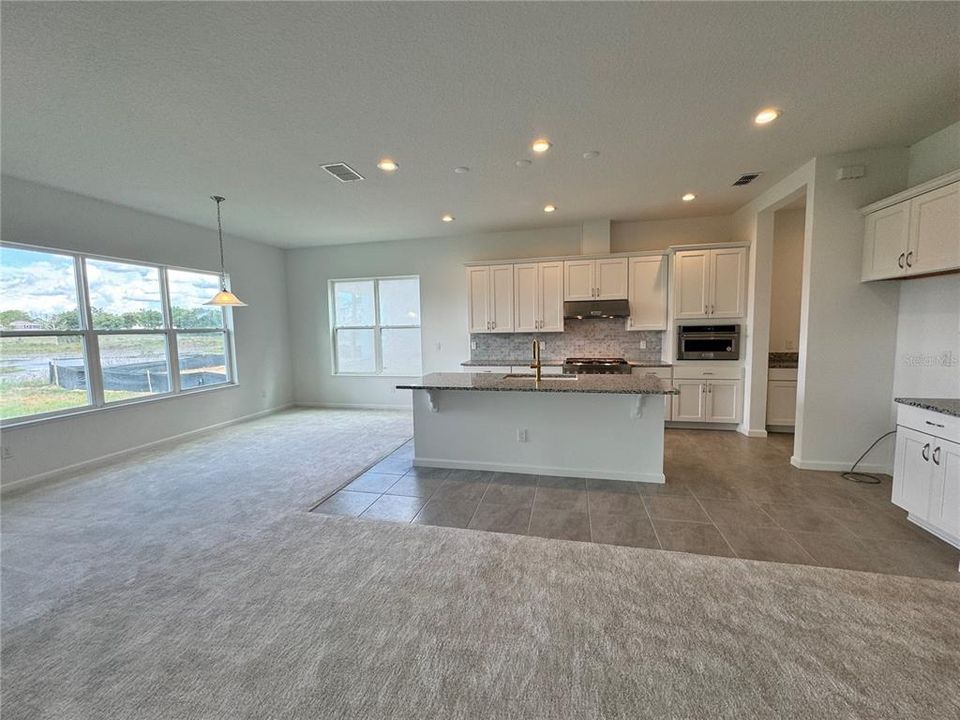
(376,326)
(82,332)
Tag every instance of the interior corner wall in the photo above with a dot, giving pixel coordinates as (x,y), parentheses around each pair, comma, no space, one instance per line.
(44,216)
(935,155)
(847,328)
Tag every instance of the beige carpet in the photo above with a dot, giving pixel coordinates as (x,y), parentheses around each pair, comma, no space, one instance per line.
(191,584)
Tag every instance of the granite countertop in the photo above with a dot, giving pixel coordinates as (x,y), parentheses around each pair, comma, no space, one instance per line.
(548,363)
(783,360)
(495,382)
(947,406)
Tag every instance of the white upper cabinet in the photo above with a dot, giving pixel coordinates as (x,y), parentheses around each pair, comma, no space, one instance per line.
(648,293)
(550,275)
(490,298)
(538,297)
(934,243)
(917,235)
(710,283)
(604,279)
(578,280)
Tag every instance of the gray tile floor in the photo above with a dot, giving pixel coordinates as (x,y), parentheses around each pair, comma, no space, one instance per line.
(725,495)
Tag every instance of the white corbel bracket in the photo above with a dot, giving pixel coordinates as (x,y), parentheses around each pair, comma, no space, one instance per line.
(637,411)
(433,397)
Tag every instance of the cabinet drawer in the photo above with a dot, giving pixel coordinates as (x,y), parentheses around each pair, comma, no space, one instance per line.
(937,424)
(707,372)
(661,372)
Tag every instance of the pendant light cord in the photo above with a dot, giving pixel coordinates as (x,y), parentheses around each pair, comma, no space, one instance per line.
(223,272)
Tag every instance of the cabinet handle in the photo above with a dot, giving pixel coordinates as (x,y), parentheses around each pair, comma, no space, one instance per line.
(933,423)
(925,453)
(900,260)
(909,255)
(713,309)
(936,456)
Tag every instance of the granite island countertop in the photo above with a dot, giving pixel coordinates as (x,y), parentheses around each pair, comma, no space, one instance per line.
(947,406)
(549,363)
(495,382)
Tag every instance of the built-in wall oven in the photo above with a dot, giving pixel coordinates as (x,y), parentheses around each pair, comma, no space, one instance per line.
(708,342)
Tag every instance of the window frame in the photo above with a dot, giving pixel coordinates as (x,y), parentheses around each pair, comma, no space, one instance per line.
(377,327)
(90,338)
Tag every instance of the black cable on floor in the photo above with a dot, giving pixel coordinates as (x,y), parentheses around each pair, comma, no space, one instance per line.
(863,477)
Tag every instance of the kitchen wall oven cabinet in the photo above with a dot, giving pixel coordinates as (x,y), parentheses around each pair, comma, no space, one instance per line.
(708,395)
(490,298)
(603,279)
(710,283)
(914,233)
(538,297)
(926,475)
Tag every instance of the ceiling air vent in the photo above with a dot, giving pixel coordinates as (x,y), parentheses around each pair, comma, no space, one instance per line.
(342,172)
(746,178)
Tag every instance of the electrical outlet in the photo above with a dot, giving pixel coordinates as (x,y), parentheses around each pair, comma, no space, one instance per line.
(789,344)
(473,344)
(439,347)
(543,346)
(521,435)
(6,453)
(643,344)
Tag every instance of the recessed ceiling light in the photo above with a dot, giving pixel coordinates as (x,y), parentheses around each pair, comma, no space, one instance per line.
(591,154)
(541,145)
(549,208)
(448,218)
(387,165)
(688,197)
(462,170)
(767,115)
(523,163)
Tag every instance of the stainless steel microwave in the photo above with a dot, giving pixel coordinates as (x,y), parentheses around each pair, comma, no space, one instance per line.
(708,342)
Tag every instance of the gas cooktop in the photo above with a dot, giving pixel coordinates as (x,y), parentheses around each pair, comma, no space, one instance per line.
(607,365)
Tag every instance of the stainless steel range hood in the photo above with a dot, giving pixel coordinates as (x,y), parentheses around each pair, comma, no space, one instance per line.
(584,309)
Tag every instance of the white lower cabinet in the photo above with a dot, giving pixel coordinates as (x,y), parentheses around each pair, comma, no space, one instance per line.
(782,397)
(926,475)
(708,394)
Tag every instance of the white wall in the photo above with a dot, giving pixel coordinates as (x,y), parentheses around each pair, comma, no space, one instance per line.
(935,155)
(53,218)
(661,234)
(788,226)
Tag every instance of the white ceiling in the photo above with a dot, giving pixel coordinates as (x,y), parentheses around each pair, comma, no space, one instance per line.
(158,105)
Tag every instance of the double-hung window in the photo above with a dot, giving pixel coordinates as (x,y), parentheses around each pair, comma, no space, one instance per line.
(376,326)
(83,332)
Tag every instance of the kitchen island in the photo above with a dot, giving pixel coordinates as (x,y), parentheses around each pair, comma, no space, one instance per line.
(593,426)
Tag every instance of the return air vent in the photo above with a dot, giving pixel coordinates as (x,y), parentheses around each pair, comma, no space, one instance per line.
(342,172)
(746,178)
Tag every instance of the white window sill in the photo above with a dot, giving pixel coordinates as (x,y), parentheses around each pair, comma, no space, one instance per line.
(17,423)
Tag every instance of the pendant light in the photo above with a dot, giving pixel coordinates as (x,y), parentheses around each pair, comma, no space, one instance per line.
(224,298)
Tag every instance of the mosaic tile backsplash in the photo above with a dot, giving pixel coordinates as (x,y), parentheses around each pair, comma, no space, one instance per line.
(580,338)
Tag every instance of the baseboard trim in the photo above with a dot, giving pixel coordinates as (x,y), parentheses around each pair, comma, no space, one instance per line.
(539,470)
(52,475)
(832,466)
(678,425)
(351,406)
(752,433)
(934,530)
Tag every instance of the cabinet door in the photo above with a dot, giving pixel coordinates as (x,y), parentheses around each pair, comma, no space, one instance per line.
(944,509)
(611,279)
(781,402)
(728,282)
(691,404)
(501,298)
(648,293)
(913,471)
(934,231)
(723,401)
(578,280)
(478,290)
(885,242)
(526,312)
(550,282)
(690,283)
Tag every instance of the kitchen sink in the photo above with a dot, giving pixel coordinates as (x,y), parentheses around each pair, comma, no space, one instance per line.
(531,376)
